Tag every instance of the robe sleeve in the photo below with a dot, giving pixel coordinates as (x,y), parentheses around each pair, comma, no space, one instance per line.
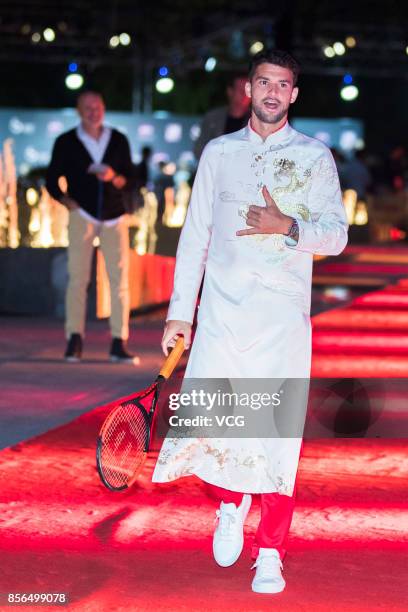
(194,240)
(326,232)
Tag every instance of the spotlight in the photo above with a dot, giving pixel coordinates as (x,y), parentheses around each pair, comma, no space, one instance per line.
(74,80)
(114,41)
(339,48)
(32,196)
(164,85)
(124,39)
(163,71)
(49,34)
(169,169)
(73,67)
(350,41)
(347,79)
(349,93)
(329,52)
(210,64)
(36,37)
(26,28)
(406,50)
(256,47)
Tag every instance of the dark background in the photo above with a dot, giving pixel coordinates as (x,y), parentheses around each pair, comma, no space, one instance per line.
(182,34)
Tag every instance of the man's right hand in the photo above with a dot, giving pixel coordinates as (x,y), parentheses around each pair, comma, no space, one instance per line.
(69,203)
(172,331)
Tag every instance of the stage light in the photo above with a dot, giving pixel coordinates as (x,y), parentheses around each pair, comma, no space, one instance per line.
(49,34)
(32,196)
(350,41)
(361,216)
(146,131)
(256,47)
(73,67)
(339,48)
(124,39)
(164,85)
(36,37)
(163,71)
(26,28)
(173,132)
(74,80)
(169,169)
(195,132)
(329,52)
(348,139)
(349,93)
(114,41)
(210,64)
(406,50)
(347,79)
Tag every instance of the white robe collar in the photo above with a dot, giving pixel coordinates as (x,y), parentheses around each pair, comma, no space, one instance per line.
(279,137)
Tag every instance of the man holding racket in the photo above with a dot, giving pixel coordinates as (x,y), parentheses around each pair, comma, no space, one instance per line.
(265,200)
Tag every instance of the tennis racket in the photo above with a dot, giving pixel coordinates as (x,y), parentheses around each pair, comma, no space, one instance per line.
(124,439)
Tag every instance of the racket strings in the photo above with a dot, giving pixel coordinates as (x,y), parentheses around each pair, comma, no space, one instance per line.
(123,445)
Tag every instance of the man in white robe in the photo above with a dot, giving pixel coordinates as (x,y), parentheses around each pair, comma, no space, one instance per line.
(265,200)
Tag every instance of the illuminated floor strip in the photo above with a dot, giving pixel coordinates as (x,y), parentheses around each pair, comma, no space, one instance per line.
(342,340)
(383,299)
(355,318)
(398,258)
(344,366)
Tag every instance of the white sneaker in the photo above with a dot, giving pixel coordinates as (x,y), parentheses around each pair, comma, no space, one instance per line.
(228,538)
(268,577)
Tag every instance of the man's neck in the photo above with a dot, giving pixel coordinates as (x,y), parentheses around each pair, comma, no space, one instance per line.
(266,129)
(93,132)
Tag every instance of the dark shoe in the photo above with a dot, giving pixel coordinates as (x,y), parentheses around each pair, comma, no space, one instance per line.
(73,353)
(119,354)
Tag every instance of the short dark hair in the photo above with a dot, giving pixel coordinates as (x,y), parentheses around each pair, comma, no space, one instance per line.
(276,57)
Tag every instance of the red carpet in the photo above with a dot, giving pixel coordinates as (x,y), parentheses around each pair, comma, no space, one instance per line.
(367,338)
(150,548)
(63,532)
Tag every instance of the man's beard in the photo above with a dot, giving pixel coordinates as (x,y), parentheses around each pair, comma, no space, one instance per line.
(266,117)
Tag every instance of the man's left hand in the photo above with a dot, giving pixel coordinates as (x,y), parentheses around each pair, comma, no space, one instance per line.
(110,176)
(266,219)
(107,175)
(119,181)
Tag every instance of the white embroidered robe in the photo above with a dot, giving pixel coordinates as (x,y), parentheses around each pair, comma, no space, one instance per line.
(254,316)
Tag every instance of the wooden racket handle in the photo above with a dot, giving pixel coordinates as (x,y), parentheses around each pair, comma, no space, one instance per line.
(173,359)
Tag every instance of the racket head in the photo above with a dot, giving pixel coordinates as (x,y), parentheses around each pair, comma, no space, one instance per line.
(123,441)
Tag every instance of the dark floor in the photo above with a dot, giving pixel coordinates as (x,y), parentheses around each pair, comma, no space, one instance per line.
(39,390)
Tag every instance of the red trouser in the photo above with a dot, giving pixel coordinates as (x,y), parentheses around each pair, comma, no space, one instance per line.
(276,517)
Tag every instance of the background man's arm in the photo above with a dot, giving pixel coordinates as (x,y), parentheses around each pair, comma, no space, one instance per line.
(124,175)
(56,169)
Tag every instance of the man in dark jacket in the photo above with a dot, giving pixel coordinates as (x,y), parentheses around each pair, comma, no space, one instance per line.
(225,119)
(96,163)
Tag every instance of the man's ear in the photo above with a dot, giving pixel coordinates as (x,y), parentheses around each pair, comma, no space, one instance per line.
(248,89)
(294,95)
